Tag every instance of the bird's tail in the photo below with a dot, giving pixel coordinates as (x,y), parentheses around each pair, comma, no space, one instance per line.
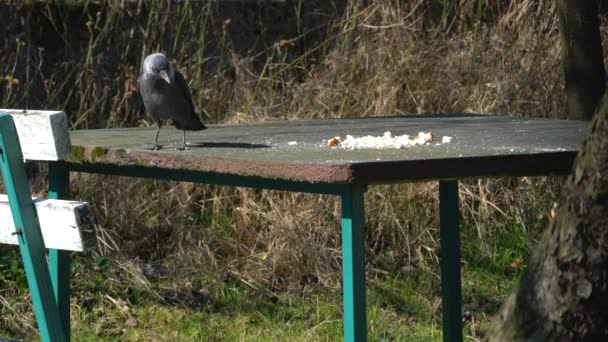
(192,123)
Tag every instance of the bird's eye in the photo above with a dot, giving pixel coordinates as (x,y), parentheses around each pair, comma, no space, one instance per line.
(155,70)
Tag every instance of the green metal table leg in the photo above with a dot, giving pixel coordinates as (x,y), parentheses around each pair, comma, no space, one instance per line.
(353,264)
(450,261)
(31,244)
(59,260)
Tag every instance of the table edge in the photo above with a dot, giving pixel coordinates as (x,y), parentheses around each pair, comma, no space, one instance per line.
(375,172)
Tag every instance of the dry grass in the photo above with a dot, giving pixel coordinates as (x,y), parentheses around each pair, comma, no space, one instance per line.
(393,57)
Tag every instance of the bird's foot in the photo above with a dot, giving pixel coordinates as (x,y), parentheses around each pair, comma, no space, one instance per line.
(184,148)
(155,147)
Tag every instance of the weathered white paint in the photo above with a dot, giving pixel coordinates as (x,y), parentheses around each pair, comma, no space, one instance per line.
(66,225)
(43,134)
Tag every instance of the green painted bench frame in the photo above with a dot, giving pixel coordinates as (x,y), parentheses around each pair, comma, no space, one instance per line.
(48,282)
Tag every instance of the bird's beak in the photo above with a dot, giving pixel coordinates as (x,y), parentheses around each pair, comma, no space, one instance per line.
(165,76)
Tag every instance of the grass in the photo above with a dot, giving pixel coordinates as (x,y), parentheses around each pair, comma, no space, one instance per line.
(242,264)
(405,307)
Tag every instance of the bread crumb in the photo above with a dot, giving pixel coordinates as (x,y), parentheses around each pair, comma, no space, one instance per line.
(387,140)
(335,141)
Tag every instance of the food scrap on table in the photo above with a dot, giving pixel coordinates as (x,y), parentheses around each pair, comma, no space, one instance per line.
(387,140)
(335,141)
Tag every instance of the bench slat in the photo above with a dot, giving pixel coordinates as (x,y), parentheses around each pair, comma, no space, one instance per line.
(65,225)
(43,134)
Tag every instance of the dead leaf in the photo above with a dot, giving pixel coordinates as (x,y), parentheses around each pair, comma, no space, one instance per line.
(516,263)
(132,322)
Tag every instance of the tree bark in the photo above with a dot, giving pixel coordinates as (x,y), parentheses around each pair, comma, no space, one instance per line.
(563,294)
(581,56)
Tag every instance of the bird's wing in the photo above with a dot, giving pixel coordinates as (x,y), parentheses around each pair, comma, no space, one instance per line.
(182,85)
(193,122)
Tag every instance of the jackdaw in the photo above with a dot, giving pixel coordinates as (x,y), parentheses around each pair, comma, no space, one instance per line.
(166,96)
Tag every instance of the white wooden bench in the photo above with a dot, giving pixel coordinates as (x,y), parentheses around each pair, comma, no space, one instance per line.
(40,225)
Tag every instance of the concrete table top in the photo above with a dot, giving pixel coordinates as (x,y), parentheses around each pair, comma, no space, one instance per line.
(482,145)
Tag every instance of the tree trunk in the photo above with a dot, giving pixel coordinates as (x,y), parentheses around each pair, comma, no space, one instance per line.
(563,294)
(581,56)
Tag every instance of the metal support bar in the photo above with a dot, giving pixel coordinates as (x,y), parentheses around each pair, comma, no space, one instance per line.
(204,177)
(31,244)
(353,264)
(450,261)
(59,260)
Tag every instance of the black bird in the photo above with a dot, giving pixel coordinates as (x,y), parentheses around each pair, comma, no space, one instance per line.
(166,96)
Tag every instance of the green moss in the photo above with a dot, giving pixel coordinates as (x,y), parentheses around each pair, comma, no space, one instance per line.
(77,154)
(98,152)
(121,153)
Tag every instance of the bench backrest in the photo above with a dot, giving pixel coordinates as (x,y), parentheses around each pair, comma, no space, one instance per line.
(65,225)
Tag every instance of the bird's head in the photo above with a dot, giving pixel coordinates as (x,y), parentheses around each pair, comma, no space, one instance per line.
(157,65)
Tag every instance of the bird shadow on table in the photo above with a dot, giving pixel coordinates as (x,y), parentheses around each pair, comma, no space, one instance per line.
(227,145)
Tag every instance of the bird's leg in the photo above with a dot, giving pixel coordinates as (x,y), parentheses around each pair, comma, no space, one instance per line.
(156,146)
(184,147)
